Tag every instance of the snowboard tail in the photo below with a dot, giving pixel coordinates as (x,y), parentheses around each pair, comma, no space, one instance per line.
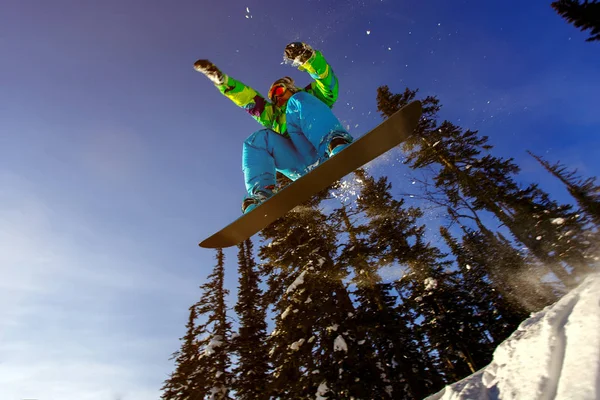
(379,140)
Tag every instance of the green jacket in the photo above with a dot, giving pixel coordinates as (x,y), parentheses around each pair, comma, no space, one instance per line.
(324,87)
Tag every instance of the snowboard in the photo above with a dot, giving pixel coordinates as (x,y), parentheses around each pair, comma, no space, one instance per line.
(379,140)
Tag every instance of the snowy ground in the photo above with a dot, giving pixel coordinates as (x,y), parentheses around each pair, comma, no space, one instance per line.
(555,354)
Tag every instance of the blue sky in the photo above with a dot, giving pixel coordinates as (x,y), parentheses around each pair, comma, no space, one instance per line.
(116,157)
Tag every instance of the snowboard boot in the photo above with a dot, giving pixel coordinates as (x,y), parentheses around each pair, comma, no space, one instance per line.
(336,145)
(258,197)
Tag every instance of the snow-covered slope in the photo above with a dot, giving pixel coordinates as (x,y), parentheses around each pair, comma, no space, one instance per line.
(555,354)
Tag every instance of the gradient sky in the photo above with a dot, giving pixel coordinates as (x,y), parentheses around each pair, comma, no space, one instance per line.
(116,157)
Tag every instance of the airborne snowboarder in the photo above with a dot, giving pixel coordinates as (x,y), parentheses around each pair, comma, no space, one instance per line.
(300,130)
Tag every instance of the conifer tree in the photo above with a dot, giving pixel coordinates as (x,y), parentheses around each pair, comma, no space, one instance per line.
(484,262)
(584,15)
(202,365)
(402,369)
(250,345)
(215,333)
(313,347)
(585,191)
(464,170)
(426,292)
(186,381)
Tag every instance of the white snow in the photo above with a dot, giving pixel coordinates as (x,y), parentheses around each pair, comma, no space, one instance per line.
(558,221)
(296,345)
(555,354)
(286,312)
(299,281)
(430,284)
(321,391)
(340,344)
(215,342)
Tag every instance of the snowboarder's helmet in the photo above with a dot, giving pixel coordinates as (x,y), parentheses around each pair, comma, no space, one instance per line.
(279,87)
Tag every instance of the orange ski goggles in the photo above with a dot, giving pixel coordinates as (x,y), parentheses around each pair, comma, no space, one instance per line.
(276,92)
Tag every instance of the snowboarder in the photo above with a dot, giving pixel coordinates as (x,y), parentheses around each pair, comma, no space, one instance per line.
(300,129)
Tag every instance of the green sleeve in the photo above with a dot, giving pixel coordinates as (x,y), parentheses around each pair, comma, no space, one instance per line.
(250,100)
(325,84)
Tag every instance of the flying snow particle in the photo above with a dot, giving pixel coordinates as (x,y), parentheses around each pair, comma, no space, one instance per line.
(368,32)
(340,344)
(389,48)
(538,238)
(247,10)
(558,221)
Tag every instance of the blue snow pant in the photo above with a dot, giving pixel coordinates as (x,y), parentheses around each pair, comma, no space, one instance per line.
(310,124)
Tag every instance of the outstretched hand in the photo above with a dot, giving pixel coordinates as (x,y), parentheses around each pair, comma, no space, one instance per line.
(210,70)
(298,52)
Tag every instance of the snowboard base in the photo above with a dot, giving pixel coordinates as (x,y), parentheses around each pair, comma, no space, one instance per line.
(379,140)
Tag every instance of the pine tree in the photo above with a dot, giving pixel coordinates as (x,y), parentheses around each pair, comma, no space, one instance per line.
(486,263)
(430,296)
(463,170)
(202,364)
(397,367)
(313,345)
(215,333)
(186,381)
(585,191)
(584,15)
(250,345)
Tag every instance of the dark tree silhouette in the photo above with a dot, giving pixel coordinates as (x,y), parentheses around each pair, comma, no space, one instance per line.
(202,364)
(313,342)
(585,191)
(463,169)
(585,16)
(250,345)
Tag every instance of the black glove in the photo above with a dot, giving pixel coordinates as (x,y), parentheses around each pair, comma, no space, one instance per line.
(298,52)
(210,70)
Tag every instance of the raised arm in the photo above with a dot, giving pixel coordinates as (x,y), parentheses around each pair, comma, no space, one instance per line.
(325,84)
(241,95)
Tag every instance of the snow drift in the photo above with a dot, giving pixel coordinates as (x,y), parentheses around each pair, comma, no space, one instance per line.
(555,354)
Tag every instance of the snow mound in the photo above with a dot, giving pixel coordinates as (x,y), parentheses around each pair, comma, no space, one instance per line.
(555,354)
